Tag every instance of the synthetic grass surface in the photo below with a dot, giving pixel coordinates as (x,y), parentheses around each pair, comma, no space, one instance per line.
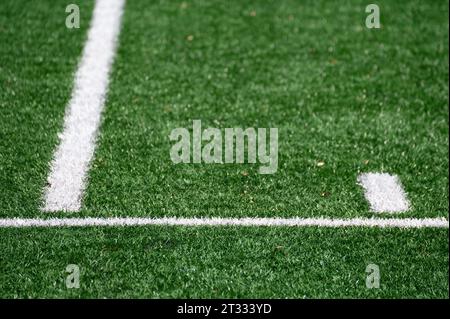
(359,100)
(38,58)
(166,262)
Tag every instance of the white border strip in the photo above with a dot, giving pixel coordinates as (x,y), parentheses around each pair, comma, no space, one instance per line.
(77,141)
(174,221)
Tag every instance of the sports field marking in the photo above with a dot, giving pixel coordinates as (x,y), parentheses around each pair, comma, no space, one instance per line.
(439,222)
(384,192)
(66,181)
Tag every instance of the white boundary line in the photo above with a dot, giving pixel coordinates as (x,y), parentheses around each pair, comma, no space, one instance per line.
(174,221)
(72,158)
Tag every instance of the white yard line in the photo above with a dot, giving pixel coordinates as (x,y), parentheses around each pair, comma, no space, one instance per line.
(72,157)
(384,192)
(174,221)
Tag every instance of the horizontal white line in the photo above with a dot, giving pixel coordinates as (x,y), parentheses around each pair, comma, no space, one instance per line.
(72,157)
(174,221)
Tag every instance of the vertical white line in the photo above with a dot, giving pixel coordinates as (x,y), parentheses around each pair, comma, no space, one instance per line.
(384,192)
(72,157)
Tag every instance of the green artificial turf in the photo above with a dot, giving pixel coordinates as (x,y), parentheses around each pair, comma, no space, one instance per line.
(38,58)
(358,100)
(150,262)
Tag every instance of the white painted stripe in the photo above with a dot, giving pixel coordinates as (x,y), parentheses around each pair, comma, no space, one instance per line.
(66,181)
(174,221)
(384,192)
